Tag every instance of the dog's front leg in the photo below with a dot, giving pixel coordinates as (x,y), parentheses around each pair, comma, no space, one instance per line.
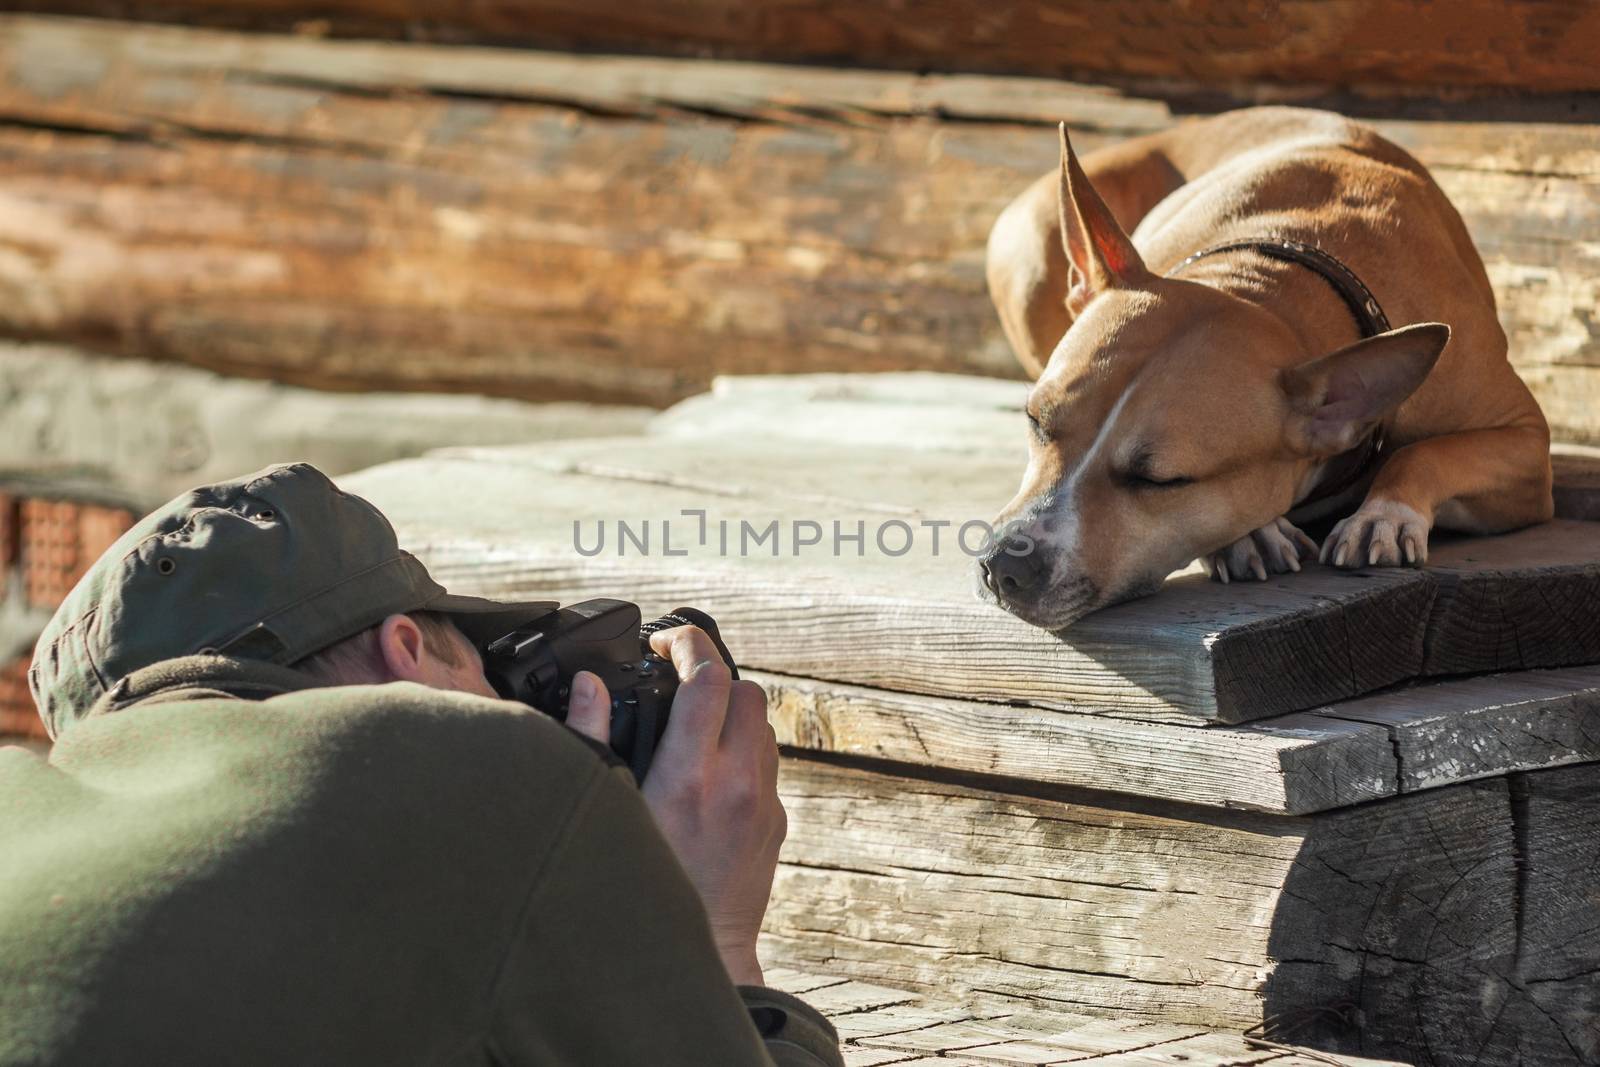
(1477,481)
(1276,548)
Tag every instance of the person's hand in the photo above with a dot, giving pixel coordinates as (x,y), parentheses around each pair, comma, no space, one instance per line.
(713,787)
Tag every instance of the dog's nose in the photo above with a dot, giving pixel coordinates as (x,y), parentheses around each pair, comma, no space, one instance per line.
(1011,568)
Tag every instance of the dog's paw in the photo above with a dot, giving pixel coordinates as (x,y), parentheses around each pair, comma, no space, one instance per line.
(1381,533)
(1276,548)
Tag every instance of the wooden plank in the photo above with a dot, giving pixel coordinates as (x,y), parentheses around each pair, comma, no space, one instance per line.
(294,219)
(1455,731)
(503,523)
(1414,912)
(1517,601)
(1293,764)
(1374,44)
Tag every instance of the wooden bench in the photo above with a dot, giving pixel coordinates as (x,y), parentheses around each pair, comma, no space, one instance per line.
(1365,805)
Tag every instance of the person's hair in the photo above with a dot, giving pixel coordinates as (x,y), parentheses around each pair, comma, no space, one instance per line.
(357,660)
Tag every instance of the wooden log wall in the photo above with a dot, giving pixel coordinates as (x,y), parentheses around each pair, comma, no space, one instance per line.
(1540,45)
(357,214)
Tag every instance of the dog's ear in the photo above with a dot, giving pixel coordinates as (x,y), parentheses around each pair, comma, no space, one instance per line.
(1335,401)
(1101,254)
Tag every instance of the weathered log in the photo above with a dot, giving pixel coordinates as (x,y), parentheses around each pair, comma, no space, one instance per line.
(1397,44)
(822,559)
(364,215)
(1409,928)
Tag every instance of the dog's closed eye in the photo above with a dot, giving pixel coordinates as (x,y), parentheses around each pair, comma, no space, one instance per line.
(1144,481)
(1141,472)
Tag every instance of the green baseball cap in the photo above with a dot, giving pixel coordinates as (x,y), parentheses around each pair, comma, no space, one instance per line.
(273,566)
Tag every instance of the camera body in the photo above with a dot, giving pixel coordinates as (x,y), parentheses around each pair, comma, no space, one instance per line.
(536,662)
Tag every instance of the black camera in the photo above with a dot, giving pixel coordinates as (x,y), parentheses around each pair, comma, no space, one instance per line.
(535,664)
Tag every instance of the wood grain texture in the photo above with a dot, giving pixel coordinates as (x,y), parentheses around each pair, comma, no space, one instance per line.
(357,214)
(1401,741)
(1408,915)
(895,610)
(503,522)
(1516,601)
(1446,732)
(1542,45)
(1291,764)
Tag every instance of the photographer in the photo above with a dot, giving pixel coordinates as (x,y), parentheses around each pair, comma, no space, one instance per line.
(287,821)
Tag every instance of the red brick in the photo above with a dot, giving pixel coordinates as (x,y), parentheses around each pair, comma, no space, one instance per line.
(98,529)
(10,537)
(18,716)
(50,550)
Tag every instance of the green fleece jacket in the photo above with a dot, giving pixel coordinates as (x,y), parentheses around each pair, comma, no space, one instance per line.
(225,865)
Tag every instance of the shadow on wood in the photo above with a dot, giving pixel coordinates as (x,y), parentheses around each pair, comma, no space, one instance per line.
(1451,933)
(1453,923)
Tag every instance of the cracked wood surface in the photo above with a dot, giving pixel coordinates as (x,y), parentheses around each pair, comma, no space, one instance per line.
(503,521)
(1454,731)
(1376,45)
(357,214)
(1455,926)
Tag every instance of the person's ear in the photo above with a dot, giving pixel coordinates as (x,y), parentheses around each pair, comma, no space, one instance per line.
(1338,399)
(1101,254)
(405,656)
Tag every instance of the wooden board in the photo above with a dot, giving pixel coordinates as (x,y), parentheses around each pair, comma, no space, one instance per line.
(1292,764)
(502,521)
(351,214)
(1454,731)
(1412,913)
(1410,739)
(1373,44)
(1528,599)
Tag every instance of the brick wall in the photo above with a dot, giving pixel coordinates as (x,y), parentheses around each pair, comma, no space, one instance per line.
(46,545)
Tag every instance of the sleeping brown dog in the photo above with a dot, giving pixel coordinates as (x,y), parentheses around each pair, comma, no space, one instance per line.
(1298,329)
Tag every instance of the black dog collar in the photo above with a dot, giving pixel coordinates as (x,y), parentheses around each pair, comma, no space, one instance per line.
(1369,317)
(1360,461)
